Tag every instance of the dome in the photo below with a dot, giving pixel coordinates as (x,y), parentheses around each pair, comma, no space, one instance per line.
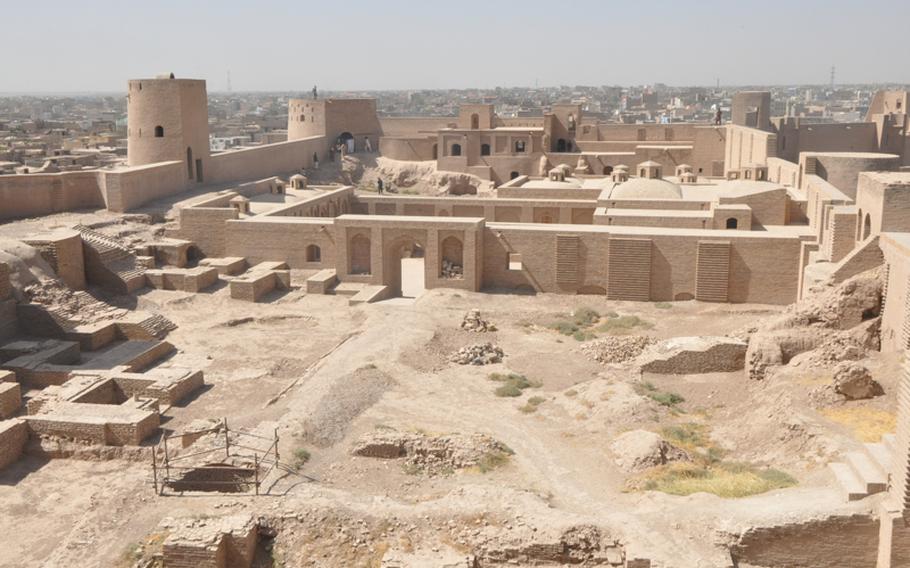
(297,177)
(642,188)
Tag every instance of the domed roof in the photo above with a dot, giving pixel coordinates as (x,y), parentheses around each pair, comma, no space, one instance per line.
(643,188)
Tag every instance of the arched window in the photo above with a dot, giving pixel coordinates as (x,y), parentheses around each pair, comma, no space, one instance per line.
(484,149)
(456,149)
(859,224)
(519,146)
(189,162)
(513,175)
(313,254)
(475,121)
(159,132)
(732,223)
(867,227)
(360,255)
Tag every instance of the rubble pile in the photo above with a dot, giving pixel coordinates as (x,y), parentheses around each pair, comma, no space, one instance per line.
(478,354)
(855,382)
(638,450)
(432,455)
(838,323)
(451,270)
(616,349)
(473,322)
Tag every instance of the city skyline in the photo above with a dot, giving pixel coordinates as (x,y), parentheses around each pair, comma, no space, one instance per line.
(279,46)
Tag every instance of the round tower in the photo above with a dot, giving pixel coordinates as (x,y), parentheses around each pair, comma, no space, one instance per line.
(167,120)
(306,118)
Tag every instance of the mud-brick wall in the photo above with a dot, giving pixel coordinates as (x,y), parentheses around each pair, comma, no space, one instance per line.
(195,555)
(10,399)
(283,239)
(42,426)
(13,436)
(132,434)
(834,542)
(205,227)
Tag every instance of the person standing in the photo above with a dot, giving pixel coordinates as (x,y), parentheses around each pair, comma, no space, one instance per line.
(367,145)
(315,95)
(379,185)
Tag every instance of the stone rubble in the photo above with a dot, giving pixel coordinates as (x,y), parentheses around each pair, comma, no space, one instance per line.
(855,382)
(473,322)
(430,455)
(616,349)
(638,450)
(451,270)
(478,354)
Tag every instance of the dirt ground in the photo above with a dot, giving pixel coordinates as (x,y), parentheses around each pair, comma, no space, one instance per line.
(326,374)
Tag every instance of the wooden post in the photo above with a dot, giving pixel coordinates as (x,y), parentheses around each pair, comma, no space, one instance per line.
(167,465)
(256,471)
(155,470)
(227,441)
(276,447)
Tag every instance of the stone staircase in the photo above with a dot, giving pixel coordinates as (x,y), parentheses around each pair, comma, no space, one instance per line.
(109,263)
(865,472)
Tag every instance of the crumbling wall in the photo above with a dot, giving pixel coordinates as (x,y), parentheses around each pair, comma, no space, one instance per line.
(13,436)
(834,542)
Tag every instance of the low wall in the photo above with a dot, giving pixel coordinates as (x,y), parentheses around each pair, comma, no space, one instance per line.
(13,436)
(129,188)
(285,239)
(762,268)
(264,161)
(205,226)
(31,195)
(826,543)
(412,149)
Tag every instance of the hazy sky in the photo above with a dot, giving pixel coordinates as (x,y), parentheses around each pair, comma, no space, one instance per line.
(395,44)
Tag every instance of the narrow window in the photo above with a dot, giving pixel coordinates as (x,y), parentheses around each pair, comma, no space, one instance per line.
(159,132)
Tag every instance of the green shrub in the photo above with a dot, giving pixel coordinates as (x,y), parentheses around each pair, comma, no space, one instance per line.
(623,324)
(663,305)
(536,400)
(492,460)
(508,389)
(301,456)
(513,385)
(585,316)
(669,399)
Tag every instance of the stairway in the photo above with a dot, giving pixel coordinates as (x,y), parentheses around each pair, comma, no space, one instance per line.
(865,471)
(109,263)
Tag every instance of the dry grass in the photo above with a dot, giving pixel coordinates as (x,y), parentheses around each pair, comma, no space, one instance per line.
(725,479)
(867,424)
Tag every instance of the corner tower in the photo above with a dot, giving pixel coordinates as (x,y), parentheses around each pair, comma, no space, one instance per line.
(167,120)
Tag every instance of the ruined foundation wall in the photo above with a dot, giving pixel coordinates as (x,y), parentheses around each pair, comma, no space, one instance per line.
(13,436)
(828,543)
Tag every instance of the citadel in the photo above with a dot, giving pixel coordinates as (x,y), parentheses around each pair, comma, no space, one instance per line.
(683,220)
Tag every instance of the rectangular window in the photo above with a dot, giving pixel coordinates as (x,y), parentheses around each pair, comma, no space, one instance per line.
(515,261)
